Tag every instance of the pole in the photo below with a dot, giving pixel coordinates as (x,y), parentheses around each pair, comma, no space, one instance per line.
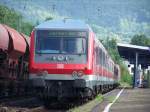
(135,70)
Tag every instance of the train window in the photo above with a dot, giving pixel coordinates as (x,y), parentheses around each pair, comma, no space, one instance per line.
(48,45)
(108,65)
(61,45)
(97,55)
(107,62)
(111,67)
(72,42)
(103,60)
(74,45)
(100,56)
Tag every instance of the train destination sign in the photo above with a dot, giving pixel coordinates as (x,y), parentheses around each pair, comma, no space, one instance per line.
(61,33)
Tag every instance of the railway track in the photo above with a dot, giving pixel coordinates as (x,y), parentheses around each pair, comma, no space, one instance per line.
(26,104)
(35,109)
(32,104)
(19,104)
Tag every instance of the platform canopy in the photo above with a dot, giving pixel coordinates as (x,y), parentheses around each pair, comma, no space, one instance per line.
(128,51)
(135,55)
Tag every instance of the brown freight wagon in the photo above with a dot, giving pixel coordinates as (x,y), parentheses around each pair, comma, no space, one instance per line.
(14,52)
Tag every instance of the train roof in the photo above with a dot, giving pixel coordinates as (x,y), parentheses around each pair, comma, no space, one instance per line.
(27,39)
(4,38)
(18,43)
(64,24)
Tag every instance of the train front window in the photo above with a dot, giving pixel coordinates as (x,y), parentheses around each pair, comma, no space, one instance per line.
(74,45)
(60,44)
(48,45)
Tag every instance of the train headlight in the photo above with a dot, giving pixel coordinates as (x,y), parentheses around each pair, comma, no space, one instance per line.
(75,74)
(80,73)
(45,72)
(42,73)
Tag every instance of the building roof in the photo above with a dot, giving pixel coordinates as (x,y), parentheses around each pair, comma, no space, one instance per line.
(133,46)
(128,51)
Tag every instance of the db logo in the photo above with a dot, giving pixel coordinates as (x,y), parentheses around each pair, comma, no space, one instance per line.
(60,66)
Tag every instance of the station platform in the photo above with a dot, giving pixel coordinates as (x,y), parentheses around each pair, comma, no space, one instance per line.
(132,100)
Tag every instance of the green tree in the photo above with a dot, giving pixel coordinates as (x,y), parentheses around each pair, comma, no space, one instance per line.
(141,40)
(14,20)
(111,46)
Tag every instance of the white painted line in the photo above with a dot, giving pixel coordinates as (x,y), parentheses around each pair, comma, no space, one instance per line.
(110,104)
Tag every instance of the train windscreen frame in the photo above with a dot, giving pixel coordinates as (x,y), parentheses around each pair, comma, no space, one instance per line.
(61,42)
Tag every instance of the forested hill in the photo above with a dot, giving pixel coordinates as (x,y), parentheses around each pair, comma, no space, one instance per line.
(120,18)
(15,20)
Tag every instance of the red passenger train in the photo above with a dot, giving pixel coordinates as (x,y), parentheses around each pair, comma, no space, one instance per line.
(14,55)
(68,61)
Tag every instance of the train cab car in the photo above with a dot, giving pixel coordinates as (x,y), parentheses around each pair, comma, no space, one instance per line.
(63,60)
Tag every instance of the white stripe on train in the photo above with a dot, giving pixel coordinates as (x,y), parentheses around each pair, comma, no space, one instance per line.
(69,77)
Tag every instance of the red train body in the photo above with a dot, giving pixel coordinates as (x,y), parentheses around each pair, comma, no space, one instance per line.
(67,60)
(14,52)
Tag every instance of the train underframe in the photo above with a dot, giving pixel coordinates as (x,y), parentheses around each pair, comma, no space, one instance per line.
(13,77)
(11,88)
(68,90)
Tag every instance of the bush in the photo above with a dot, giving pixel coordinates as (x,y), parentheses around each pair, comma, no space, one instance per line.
(125,76)
(111,46)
